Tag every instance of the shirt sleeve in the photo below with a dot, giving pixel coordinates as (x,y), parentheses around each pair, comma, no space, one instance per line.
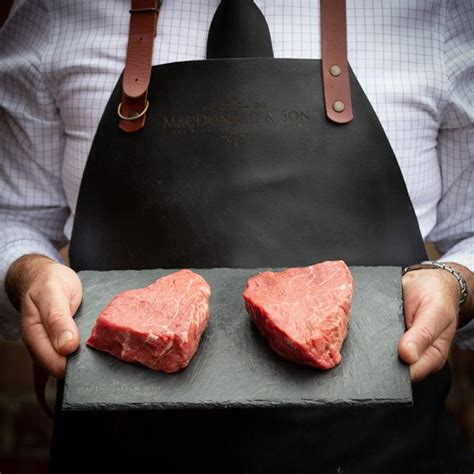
(33,207)
(454,230)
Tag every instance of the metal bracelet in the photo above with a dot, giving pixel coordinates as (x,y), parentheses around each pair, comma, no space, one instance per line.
(443,266)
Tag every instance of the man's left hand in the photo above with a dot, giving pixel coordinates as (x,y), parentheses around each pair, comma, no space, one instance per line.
(431,300)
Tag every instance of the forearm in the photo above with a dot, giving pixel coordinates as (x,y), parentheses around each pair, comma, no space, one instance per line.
(33,205)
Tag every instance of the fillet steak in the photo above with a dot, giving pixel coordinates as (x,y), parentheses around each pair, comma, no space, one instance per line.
(303,312)
(159,326)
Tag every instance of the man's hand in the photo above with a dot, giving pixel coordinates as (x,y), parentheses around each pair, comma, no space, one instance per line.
(431,299)
(48,295)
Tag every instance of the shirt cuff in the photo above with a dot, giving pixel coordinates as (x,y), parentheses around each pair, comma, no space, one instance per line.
(9,252)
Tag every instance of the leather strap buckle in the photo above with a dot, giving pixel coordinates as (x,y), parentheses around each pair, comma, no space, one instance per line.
(136,77)
(133,115)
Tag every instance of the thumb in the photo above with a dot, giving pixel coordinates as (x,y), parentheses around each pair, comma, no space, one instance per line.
(428,324)
(56,311)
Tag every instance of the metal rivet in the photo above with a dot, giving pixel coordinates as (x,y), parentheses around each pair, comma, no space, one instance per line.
(335,70)
(338,106)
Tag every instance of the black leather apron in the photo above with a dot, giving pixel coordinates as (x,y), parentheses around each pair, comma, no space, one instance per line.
(238,166)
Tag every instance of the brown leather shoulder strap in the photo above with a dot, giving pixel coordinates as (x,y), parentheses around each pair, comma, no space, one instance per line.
(136,77)
(336,85)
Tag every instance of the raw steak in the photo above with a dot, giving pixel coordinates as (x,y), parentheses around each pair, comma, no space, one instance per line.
(158,326)
(303,312)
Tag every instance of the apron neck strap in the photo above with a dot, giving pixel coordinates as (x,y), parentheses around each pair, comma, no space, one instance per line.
(136,77)
(335,73)
(239,30)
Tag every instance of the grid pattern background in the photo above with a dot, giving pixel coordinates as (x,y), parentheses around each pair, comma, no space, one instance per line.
(60,60)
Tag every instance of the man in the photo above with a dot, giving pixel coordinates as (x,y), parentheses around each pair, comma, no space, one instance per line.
(59,64)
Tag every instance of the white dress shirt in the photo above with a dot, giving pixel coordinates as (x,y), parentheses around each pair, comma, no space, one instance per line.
(60,60)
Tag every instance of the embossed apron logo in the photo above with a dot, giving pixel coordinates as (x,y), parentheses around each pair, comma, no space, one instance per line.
(235,121)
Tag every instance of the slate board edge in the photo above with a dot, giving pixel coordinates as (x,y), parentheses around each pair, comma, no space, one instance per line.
(306,403)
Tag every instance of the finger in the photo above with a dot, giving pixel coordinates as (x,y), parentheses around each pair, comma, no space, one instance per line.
(429,323)
(38,343)
(55,311)
(433,360)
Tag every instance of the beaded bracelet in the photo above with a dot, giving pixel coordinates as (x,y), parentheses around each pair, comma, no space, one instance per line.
(443,266)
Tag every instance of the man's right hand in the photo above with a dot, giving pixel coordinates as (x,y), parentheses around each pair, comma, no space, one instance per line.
(48,295)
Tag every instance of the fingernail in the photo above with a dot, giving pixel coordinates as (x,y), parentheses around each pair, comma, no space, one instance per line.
(413,349)
(64,338)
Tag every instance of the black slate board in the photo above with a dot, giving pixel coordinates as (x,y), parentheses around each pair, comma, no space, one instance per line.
(234,366)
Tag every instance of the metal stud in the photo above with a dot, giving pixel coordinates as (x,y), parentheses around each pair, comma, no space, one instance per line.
(338,106)
(335,70)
